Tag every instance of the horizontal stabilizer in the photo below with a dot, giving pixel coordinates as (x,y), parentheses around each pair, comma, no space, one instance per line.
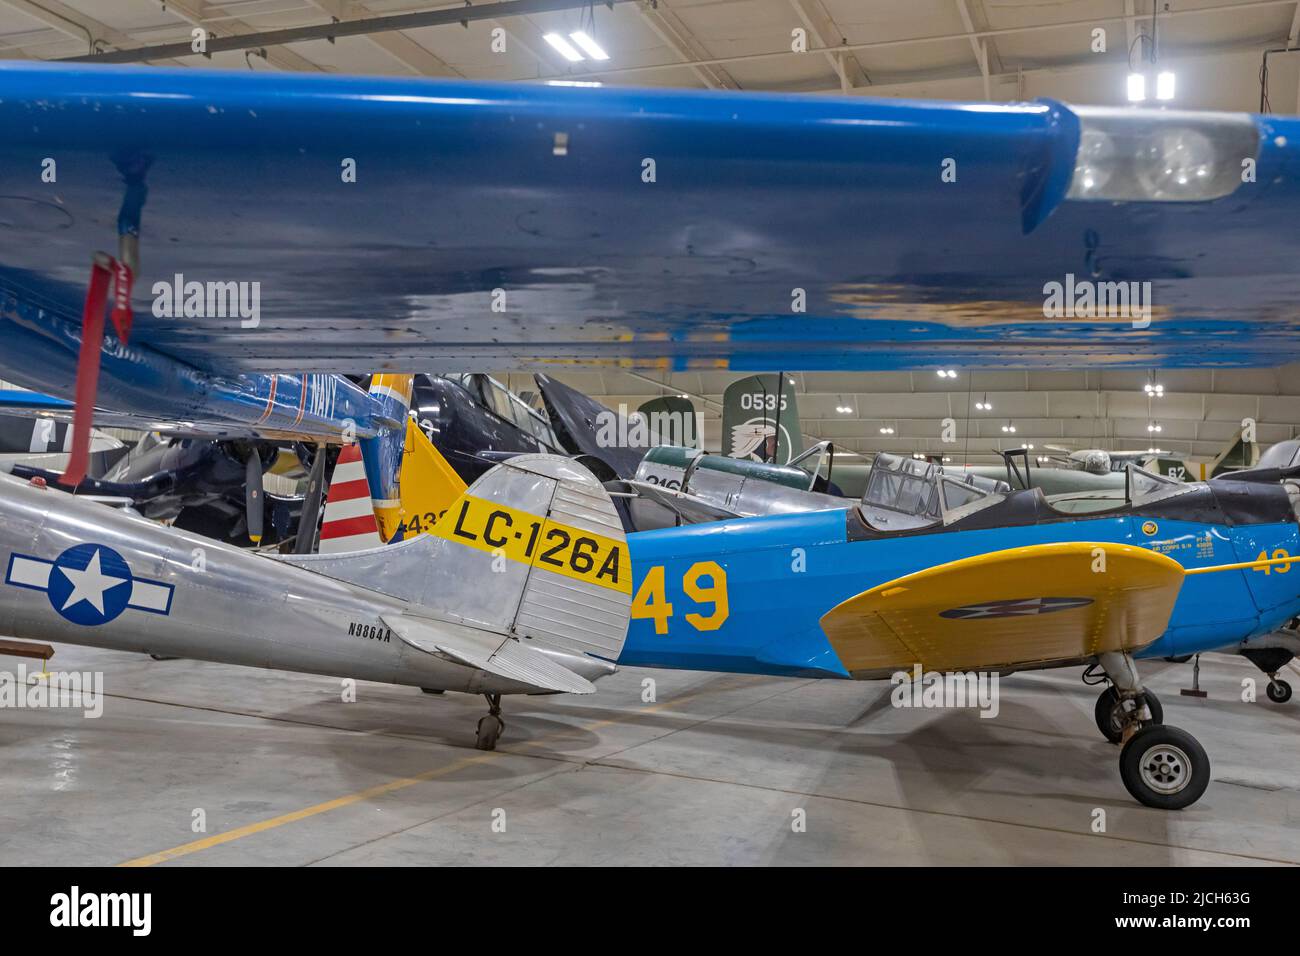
(482,650)
(690,508)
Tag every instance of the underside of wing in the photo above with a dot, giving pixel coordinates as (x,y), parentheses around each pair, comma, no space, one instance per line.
(1035,605)
(539,190)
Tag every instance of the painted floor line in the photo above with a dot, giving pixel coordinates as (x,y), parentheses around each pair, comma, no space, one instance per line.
(401,783)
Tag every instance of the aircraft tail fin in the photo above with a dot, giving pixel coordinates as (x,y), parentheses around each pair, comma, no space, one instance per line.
(382,453)
(534,550)
(1237,455)
(429,485)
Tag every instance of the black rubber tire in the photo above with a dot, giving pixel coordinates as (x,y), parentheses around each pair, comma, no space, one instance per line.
(1103,712)
(489,731)
(1278,691)
(1164,767)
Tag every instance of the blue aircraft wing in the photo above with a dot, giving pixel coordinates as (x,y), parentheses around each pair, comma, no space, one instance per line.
(425,225)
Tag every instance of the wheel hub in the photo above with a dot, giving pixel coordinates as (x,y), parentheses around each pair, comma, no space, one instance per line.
(1166,768)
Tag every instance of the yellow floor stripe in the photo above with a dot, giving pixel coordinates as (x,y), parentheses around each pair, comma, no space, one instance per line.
(229,836)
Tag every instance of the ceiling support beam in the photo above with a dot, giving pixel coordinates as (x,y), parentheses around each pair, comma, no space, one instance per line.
(817,21)
(74,23)
(670,29)
(1130,27)
(515,38)
(193,13)
(352,28)
(396,44)
(936,38)
(978,47)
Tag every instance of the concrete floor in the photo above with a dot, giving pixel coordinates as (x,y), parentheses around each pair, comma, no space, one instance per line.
(286,773)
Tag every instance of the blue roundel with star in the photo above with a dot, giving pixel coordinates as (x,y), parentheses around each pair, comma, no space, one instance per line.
(90,584)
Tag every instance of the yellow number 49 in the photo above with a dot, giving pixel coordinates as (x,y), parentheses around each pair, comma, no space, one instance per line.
(1268,569)
(651,599)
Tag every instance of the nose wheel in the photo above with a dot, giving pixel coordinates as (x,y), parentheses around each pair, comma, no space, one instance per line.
(491,726)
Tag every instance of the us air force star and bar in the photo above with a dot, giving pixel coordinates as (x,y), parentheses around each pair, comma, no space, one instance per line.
(1020,607)
(89,584)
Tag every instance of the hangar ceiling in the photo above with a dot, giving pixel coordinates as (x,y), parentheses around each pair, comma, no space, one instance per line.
(1200,412)
(945,49)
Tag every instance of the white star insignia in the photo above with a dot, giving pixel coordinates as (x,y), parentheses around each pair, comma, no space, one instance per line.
(89,585)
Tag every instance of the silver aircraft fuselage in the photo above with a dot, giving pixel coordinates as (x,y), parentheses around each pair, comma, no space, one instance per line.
(81,573)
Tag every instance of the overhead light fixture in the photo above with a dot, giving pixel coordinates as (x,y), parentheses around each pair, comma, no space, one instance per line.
(984,406)
(1137,87)
(589,83)
(562,47)
(1009,428)
(844,409)
(1154,427)
(592,48)
(1030,446)
(946,459)
(886,431)
(1165,85)
(946,373)
(1157,391)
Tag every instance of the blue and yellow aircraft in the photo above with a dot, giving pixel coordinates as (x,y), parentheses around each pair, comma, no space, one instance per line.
(929,572)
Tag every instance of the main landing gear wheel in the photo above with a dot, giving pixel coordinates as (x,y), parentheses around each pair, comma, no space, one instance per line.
(491,726)
(1111,714)
(1164,767)
(1278,691)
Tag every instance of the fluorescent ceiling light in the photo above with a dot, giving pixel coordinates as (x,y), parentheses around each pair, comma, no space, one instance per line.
(592,48)
(1137,87)
(563,47)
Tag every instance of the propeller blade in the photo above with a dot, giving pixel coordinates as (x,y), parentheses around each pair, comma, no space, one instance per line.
(253,499)
(306,540)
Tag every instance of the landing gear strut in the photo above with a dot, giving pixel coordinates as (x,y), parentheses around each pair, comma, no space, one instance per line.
(1112,712)
(1162,767)
(491,726)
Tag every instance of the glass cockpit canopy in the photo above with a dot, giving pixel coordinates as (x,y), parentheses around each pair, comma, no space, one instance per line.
(1142,486)
(909,493)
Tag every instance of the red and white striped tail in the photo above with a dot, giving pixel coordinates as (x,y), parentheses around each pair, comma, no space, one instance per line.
(349,523)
